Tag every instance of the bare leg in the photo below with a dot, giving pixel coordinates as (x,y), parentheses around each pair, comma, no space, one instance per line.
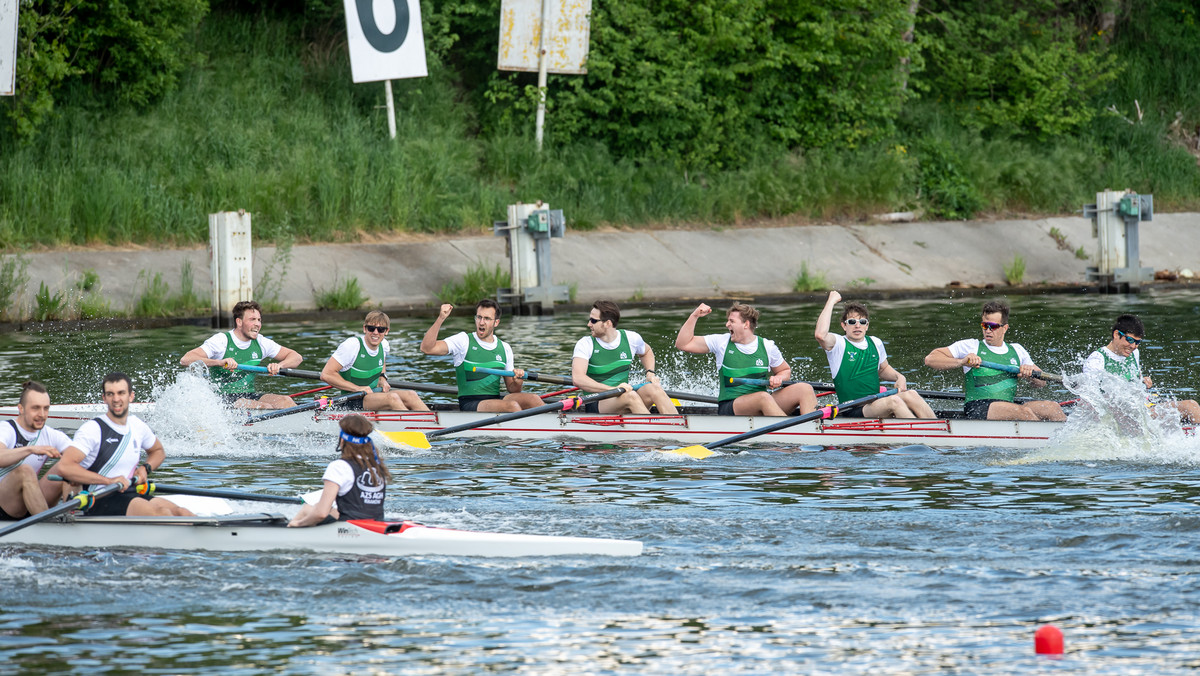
(799,396)
(629,402)
(1003,410)
(757,403)
(20,493)
(653,394)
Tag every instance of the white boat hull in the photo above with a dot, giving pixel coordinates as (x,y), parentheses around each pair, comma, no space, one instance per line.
(266,532)
(660,430)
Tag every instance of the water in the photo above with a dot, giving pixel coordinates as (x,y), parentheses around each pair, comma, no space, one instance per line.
(809,560)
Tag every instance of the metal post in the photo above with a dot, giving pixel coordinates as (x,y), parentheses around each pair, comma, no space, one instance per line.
(391,108)
(231,259)
(542,41)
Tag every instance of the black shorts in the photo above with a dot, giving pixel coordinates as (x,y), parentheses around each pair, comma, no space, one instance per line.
(355,404)
(856,412)
(5,516)
(472,403)
(230,398)
(725,407)
(114,504)
(978,409)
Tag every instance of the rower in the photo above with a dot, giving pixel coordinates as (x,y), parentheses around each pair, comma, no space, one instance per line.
(243,345)
(355,484)
(479,391)
(858,363)
(602,361)
(1121,358)
(25,445)
(360,364)
(990,393)
(741,354)
(108,450)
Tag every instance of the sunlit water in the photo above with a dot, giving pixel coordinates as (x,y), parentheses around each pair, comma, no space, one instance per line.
(802,560)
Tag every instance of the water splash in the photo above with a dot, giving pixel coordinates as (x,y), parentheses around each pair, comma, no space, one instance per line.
(189,413)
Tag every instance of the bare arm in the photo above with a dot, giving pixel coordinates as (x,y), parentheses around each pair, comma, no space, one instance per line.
(198,355)
(779,374)
(824,338)
(322,509)
(886,372)
(941,360)
(286,358)
(430,343)
(687,340)
(68,467)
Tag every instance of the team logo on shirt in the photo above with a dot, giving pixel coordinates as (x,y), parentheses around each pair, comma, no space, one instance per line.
(254,355)
(499,357)
(1012,361)
(112,440)
(624,355)
(851,356)
(758,362)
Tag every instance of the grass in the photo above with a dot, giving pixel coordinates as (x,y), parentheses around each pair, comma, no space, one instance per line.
(270,284)
(344,295)
(14,276)
(1014,272)
(275,127)
(478,282)
(49,307)
(156,299)
(809,281)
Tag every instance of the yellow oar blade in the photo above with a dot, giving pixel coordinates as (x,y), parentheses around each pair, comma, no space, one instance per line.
(410,439)
(697,452)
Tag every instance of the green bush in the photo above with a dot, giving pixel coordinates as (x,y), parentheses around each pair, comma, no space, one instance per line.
(478,283)
(344,295)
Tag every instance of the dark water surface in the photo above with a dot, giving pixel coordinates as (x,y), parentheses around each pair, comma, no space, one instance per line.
(803,560)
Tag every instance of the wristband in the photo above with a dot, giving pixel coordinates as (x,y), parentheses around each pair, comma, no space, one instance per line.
(651,371)
(149,469)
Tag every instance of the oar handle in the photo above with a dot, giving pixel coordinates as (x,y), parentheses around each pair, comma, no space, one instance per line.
(1009,368)
(560,380)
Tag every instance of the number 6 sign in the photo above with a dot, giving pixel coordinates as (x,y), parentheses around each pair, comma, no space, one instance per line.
(386,41)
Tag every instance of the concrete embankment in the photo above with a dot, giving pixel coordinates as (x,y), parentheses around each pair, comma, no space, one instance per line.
(673,264)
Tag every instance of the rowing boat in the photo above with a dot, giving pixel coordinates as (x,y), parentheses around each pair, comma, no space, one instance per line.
(694,425)
(266,532)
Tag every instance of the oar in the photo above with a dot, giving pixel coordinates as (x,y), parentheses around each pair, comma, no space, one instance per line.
(763,382)
(1009,368)
(81,501)
(310,406)
(316,375)
(228,495)
(561,380)
(421,439)
(700,452)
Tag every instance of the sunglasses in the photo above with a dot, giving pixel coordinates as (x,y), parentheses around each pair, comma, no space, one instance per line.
(854,320)
(376,329)
(593,320)
(1131,341)
(481,318)
(990,325)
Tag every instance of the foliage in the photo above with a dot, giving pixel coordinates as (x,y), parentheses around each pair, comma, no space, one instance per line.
(1024,66)
(478,282)
(809,281)
(343,295)
(711,82)
(1014,272)
(946,188)
(1081,254)
(128,51)
(156,300)
(14,276)
(270,284)
(49,306)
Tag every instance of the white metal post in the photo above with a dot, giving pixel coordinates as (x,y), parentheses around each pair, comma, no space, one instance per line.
(231,260)
(391,108)
(542,59)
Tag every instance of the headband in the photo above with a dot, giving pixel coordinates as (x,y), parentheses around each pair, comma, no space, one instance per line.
(346,436)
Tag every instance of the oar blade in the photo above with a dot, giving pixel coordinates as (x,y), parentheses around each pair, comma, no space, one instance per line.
(408,438)
(697,452)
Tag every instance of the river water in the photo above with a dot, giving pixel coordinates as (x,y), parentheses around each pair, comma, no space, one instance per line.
(803,560)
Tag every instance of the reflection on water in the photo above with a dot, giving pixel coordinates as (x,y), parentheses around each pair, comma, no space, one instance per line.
(767,559)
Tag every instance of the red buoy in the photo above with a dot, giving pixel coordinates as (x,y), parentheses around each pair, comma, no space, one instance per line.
(1048,640)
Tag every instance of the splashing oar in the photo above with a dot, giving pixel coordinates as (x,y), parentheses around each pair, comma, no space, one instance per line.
(323,402)
(81,501)
(316,375)
(1009,368)
(825,412)
(561,380)
(421,439)
(228,495)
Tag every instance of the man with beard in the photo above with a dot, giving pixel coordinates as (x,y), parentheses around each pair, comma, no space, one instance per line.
(25,445)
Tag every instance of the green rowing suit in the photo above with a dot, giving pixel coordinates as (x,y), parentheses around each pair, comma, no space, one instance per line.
(1127,369)
(610,367)
(366,368)
(472,384)
(737,364)
(858,375)
(236,382)
(986,383)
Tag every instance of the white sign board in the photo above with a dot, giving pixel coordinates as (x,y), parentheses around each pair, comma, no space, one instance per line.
(386,41)
(567,39)
(8,47)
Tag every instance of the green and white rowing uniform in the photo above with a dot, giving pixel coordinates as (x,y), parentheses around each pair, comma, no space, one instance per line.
(360,365)
(611,365)
(225,346)
(734,362)
(1127,368)
(855,368)
(990,384)
(469,352)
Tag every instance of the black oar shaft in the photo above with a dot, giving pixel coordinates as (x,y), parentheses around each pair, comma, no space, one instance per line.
(228,495)
(310,406)
(674,394)
(824,412)
(402,384)
(564,405)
